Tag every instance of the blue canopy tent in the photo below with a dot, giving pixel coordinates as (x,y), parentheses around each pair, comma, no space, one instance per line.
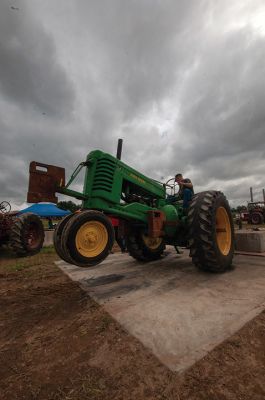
(45,210)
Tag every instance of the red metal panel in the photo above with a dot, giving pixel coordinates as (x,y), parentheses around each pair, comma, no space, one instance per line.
(114,221)
(156,220)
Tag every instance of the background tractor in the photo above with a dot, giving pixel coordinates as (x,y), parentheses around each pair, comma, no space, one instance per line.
(148,218)
(256,212)
(24,233)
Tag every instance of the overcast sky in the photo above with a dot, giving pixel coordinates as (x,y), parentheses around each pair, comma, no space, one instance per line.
(182,82)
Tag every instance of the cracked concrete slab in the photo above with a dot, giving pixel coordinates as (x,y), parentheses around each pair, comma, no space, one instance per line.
(175,310)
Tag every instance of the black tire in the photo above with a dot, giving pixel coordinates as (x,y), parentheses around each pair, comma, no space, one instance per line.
(139,249)
(58,237)
(71,233)
(27,235)
(256,218)
(207,253)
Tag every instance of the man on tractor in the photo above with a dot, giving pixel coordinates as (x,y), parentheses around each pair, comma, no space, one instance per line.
(185,190)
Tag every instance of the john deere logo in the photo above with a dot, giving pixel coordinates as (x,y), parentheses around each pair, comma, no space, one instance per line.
(137,178)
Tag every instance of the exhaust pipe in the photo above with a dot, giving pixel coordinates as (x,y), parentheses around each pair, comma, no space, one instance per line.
(119,149)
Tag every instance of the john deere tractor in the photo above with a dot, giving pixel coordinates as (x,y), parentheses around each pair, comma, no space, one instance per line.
(148,218)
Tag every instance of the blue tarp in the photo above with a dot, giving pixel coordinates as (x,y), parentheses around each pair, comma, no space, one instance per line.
(45,210)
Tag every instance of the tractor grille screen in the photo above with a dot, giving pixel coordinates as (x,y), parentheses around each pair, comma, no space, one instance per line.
(103,179)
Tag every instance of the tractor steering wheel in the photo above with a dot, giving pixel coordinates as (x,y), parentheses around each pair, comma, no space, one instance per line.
(5,207)
(172,187)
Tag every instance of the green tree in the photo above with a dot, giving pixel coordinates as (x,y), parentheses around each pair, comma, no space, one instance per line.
(241,208)
(68,206)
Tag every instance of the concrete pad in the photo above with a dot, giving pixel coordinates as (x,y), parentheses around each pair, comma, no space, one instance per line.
(175,310)
(252,241)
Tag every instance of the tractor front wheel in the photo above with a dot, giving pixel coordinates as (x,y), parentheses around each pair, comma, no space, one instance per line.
(58,238)
(211,232)
(27,235)
(87,238)
(144,248)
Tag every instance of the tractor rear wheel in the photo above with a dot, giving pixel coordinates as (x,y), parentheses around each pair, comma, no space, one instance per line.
(58,237)
(88,238)
(27,235)
(256,218)
(144,248)
(211,231)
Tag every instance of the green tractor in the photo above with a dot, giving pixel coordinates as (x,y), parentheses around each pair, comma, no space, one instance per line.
(147,217)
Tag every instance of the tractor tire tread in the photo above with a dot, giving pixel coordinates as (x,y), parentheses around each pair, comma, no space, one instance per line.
(67,233)
(58,238)
(17,239)
(140,252)
(201,223)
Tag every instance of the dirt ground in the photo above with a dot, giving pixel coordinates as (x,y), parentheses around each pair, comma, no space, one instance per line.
(57,343)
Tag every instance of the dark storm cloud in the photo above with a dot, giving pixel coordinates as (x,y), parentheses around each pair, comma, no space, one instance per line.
(29,73)
(226,113)
(222,113)
(141,47)
(33,87)
(185,91)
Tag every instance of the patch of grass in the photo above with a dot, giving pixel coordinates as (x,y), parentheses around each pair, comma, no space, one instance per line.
(29,273)
(85,389)
(18,266)
(106,320)
(48,250)
(11,263)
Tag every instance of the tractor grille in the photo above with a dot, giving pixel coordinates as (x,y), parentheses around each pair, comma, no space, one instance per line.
(103,178)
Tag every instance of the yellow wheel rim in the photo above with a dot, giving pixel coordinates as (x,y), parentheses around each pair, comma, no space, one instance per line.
(223,231)
(152,243)
(91,239)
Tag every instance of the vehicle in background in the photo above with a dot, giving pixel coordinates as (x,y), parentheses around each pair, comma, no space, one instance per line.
(24,233)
